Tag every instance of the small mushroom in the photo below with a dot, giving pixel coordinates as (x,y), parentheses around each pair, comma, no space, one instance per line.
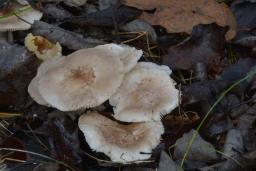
(146,93)
(86,78)
(128,55)
(20,17)
(122,143)
(42,47)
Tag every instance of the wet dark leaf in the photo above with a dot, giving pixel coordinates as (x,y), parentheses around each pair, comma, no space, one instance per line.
(58,13)
(205,45)
(201,150)
(246,125)
(201,71)
(104,4)
(238,110)
(166,40)
(166,163)
(202,91)
(233,144)
(108,17)
(63,139)
(217,124)
(17,68)
(238,70)
(69,39)
(245,13)
(246,38)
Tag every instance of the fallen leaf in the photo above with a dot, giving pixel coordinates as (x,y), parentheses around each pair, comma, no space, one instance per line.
(237,71)
(118,14)
(183,15)
(217,124)
(233,143)
(104,4)
(202,91)
(66,38)
(245,14)
(246,38)
(246,125)
(17,68)
(56,12)
(62,139)
(166,163)
(200,149)
(205,45)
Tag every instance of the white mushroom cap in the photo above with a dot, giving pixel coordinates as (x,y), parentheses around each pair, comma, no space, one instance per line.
(87,78)
(146,93)
(11,22)
(122,143)
(33,86)
(128,55)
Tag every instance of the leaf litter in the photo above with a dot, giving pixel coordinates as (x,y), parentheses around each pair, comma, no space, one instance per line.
(196,39)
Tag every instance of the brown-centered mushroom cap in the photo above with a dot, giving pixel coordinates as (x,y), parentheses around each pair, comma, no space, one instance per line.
(20,18)
(87,78)
(128,55)
(146,93)
(122,143)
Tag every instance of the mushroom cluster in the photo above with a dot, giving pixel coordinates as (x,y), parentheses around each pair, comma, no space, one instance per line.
(140,93)
(84,79)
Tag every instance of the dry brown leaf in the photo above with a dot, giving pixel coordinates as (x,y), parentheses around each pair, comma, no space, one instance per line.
(182,15)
